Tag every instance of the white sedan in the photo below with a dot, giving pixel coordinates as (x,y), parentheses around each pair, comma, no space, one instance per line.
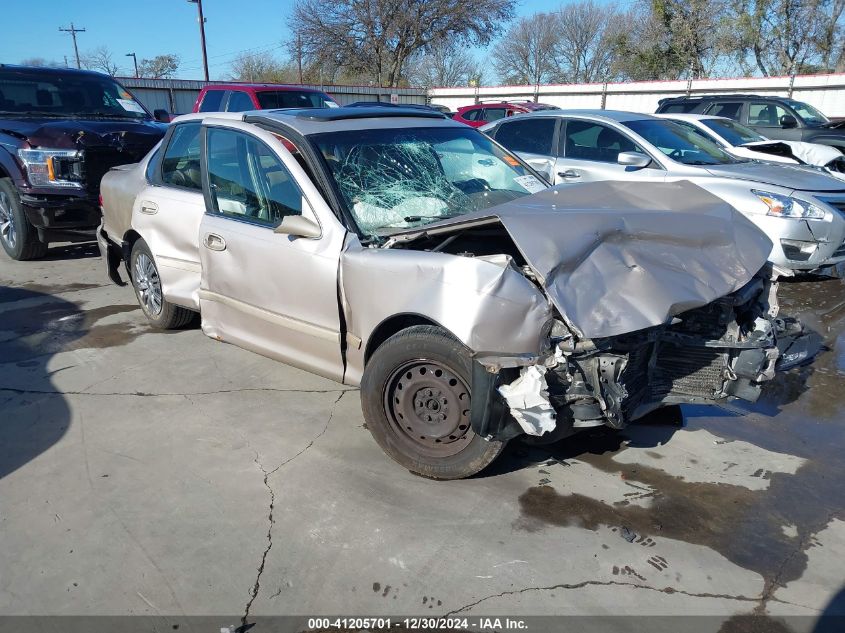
(742,141)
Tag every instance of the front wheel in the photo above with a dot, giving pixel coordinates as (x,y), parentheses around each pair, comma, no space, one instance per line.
(415,394)
(147,284)
(17,236)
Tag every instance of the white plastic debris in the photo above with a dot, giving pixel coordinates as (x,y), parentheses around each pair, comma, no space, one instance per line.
(528,400)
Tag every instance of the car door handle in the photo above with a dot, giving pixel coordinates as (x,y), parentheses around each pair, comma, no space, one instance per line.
(150,208)
(214,242)
(569,173)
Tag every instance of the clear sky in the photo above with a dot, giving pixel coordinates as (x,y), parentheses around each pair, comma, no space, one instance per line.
(153,27)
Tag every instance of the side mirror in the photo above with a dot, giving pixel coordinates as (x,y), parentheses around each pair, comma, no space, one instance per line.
(161,115)
(636,160)
(788,121)
(298,226)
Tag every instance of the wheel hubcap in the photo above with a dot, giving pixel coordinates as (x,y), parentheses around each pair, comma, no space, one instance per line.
(8,231)
(147,284)
(428,405)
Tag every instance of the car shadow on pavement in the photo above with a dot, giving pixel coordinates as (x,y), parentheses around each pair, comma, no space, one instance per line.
(82,250)
(34,415)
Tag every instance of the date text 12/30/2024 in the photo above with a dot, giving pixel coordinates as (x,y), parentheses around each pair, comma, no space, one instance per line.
(418,624)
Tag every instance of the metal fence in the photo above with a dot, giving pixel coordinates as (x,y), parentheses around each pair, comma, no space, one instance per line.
(179,95)
(825,92)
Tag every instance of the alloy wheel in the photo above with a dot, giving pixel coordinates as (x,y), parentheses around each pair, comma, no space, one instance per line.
(8,230)
(147,284)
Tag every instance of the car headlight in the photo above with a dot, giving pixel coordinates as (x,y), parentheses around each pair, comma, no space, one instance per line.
(53,167)
(789,207)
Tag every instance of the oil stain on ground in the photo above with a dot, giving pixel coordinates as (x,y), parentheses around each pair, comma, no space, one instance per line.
(801,413)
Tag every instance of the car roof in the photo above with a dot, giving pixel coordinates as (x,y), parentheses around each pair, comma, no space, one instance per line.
(610,116)
(51,70)
(259,87)
(687,116)
(317,120)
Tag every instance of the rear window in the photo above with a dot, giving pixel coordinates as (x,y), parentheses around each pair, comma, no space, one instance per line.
(272,99)
(212,101)
(66,94)
(678,108)
(727,110)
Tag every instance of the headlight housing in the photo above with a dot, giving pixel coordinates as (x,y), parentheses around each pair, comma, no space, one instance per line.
(789,207)
(53,167)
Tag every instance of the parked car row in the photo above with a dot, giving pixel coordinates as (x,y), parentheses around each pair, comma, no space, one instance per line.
(435,265)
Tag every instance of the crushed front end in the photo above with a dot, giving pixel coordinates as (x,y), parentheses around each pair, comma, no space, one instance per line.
(725,349)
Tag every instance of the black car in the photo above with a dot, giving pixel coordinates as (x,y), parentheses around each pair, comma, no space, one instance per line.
(60,131)
(774,117)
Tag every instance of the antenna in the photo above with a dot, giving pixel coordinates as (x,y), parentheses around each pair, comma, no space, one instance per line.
(73,31)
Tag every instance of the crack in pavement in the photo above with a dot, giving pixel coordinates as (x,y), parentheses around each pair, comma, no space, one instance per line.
(267,473)
(607,583)
(144,394)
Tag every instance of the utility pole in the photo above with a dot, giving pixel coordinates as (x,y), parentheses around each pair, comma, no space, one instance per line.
(73,31)
(202,35)
(134,59)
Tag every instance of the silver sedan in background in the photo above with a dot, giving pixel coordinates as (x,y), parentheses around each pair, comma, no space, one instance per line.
(800,209)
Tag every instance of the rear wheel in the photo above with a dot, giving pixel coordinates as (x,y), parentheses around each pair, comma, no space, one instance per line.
(147,284)
(17,236)
(416,398)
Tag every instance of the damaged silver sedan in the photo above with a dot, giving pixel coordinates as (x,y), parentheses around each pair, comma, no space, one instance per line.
(413,256)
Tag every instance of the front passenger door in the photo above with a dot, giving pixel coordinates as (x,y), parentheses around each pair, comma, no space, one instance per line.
(272,293)
(588,152)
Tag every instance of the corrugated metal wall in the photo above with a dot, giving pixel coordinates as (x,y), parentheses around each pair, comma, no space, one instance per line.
(825,92)
(178,95)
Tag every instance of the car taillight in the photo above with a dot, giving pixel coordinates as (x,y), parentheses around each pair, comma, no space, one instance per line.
(100,200)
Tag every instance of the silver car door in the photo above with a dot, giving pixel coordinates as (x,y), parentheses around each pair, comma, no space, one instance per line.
(273,293)
(588,152)
(532,139)
(168,211)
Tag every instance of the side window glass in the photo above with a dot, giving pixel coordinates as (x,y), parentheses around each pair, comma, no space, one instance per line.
(493,114)
(729,110)
(471,115)
(591,141)
(239,102)
(248,181)
(765,114)
(212,101)
(533,136)
(180,166)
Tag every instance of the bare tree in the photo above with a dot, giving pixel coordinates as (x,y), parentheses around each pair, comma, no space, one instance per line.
(40,61)
(262,68)
(526,53)
(586,44)
(444,64)
(783,37)
(159,67)
(379,37)
(100,59)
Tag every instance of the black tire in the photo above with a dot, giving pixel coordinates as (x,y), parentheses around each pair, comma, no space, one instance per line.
(147,284)
(17,236)
(401,386)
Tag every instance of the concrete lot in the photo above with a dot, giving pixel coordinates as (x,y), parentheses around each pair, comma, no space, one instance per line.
(155,473)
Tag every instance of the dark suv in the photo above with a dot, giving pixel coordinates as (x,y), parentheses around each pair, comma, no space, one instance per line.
(773,117)
(60,131)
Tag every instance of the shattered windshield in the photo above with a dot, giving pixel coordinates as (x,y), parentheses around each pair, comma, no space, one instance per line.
(398,178)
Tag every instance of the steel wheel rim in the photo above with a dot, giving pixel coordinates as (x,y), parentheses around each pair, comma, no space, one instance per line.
(8,230)
(428,406)
(147,284)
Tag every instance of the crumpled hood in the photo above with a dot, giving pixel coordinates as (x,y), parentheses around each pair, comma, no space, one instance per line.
(618,257)
(810,153)
(81,133)
(800,178)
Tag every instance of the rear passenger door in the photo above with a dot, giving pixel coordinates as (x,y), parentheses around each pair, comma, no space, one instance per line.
(168,212)
(533,139)
(589,151)
(240,101)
